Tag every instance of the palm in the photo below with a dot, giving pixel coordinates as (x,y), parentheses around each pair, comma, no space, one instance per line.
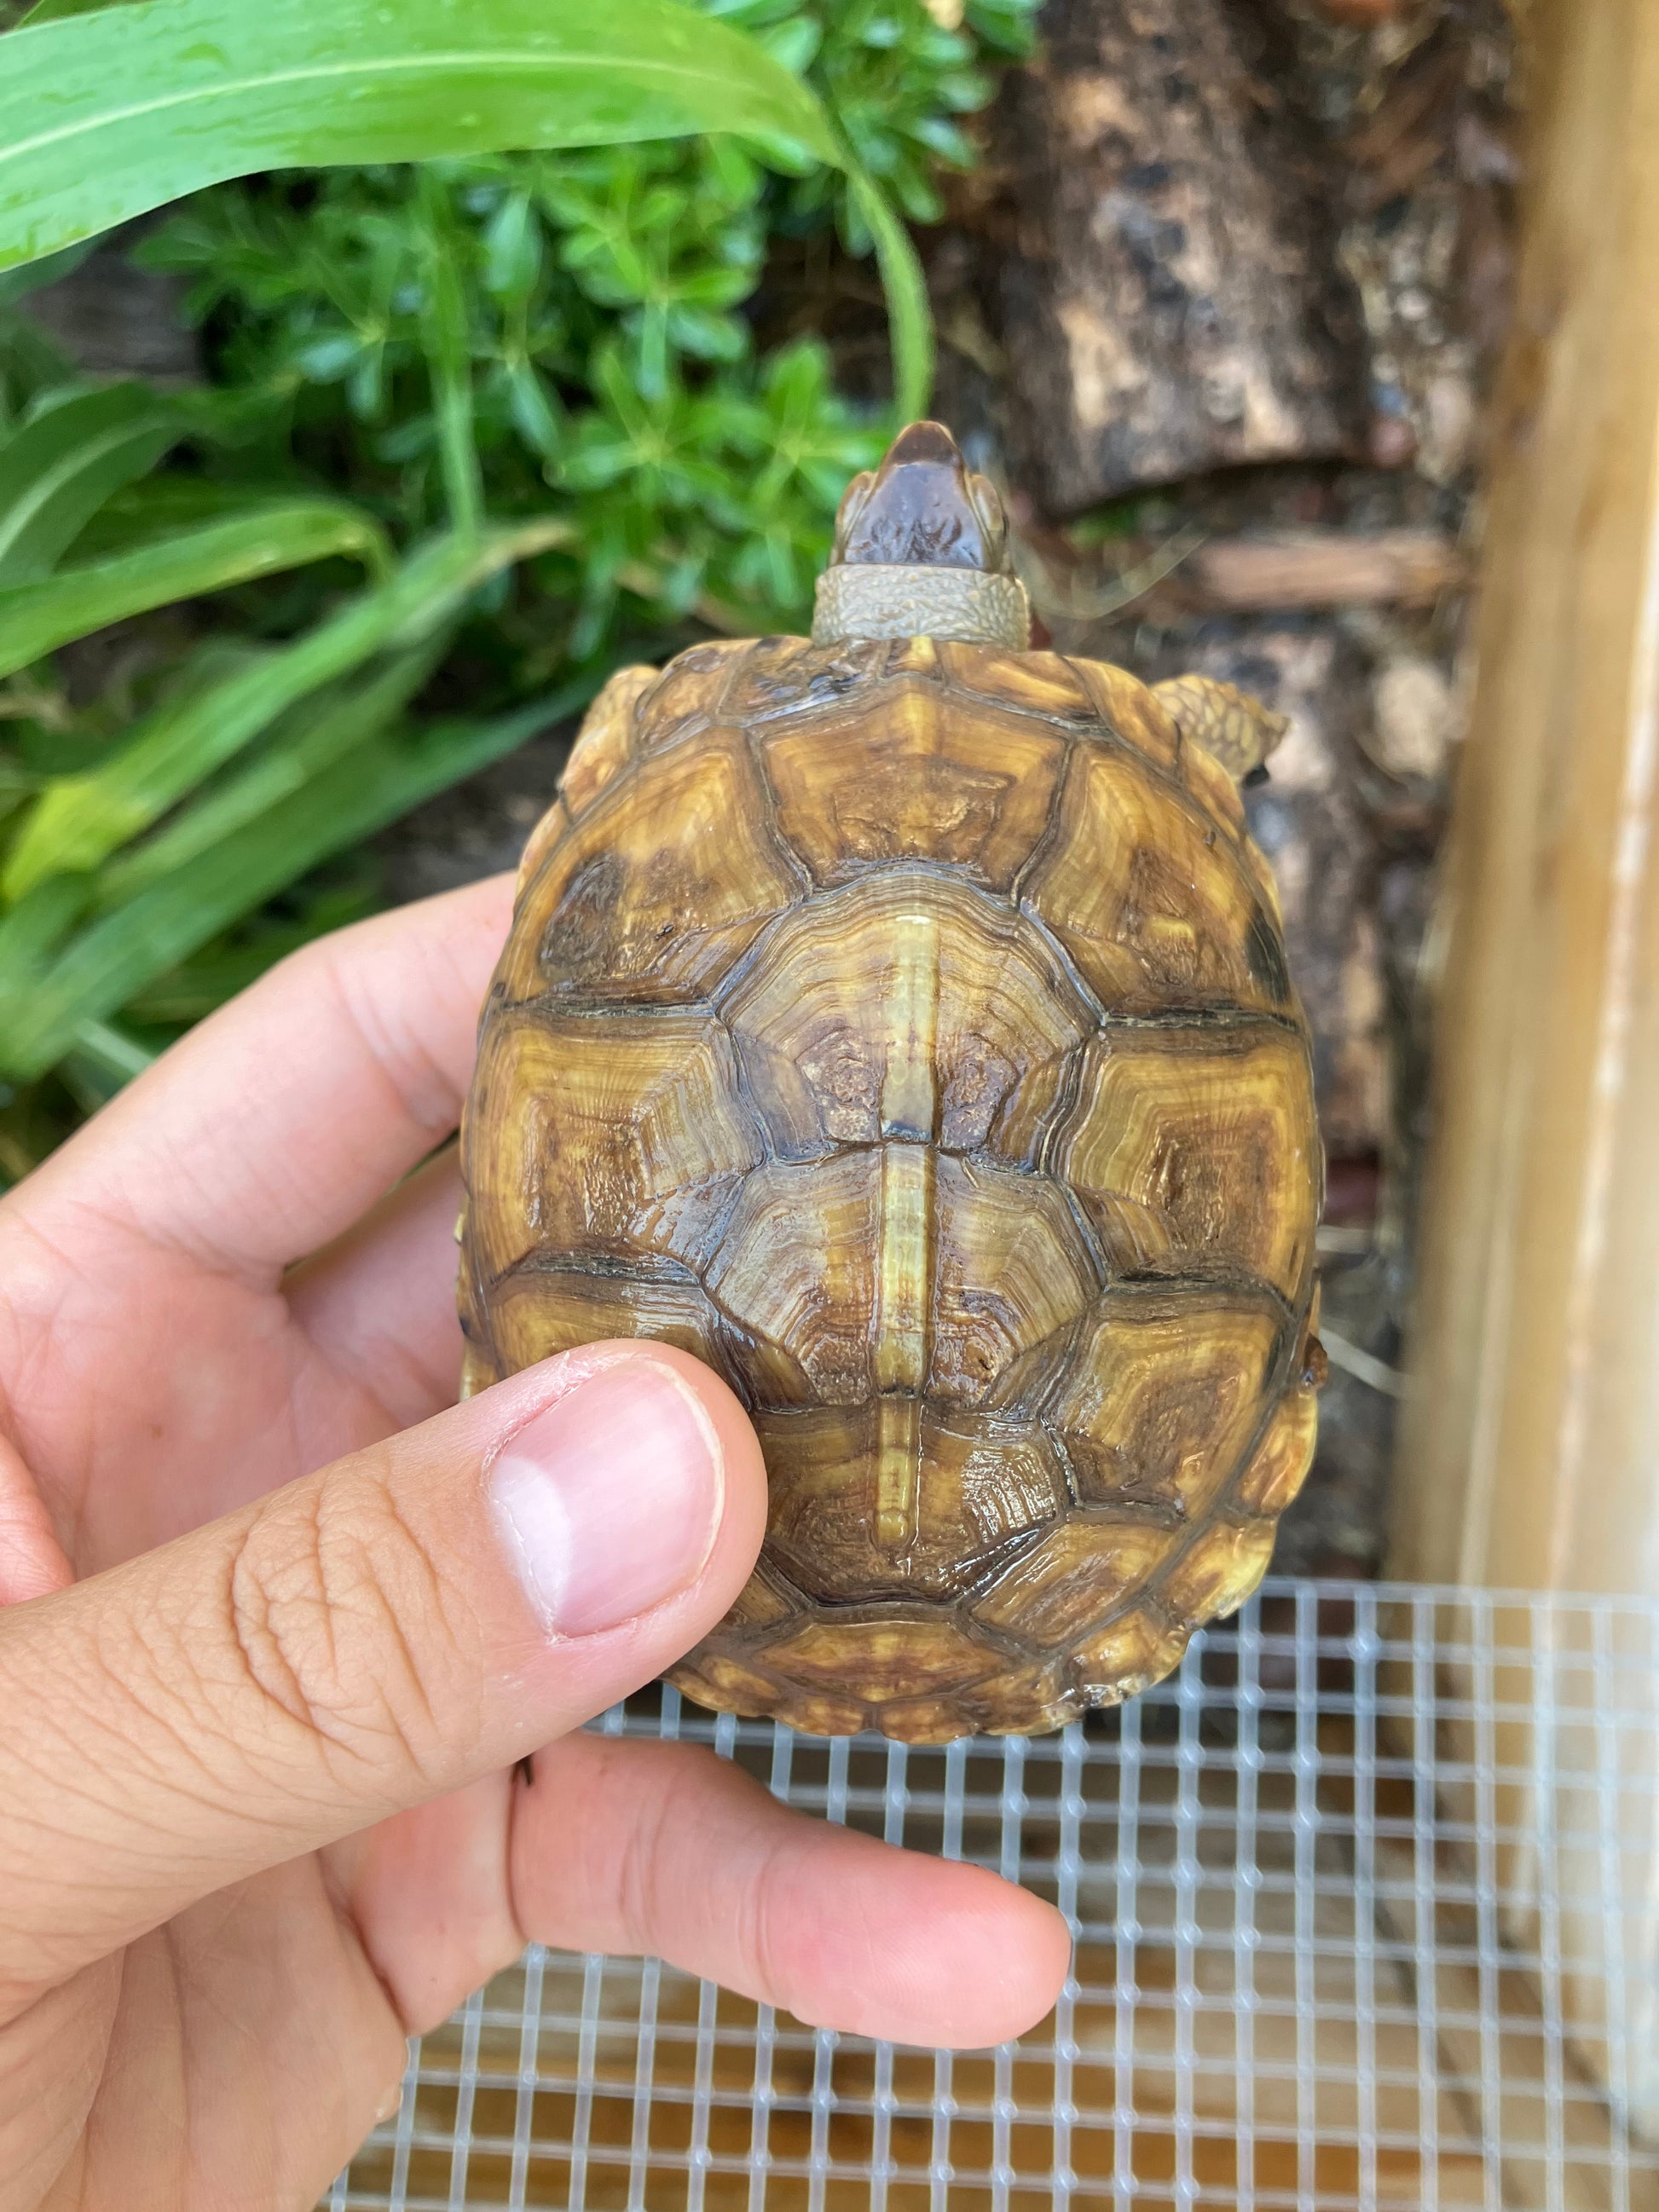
(131,1446)
(162,1362)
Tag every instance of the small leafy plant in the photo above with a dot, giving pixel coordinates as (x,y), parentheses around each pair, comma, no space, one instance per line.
(514,390)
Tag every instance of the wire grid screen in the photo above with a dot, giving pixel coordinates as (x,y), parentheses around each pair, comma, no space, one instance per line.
(1366,1908)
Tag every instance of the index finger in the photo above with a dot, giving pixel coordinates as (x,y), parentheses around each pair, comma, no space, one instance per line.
(269,1129)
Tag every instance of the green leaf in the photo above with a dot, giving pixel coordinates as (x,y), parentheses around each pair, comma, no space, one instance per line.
(105,964)
(36,618)
(53,11)
(61,466)
(77,822)
(105,116)
(907,309)
(444,334)
(327,732)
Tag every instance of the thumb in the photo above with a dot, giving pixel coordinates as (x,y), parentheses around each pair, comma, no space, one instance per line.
(411,1618)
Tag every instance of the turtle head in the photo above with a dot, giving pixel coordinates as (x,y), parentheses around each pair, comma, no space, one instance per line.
(921,551)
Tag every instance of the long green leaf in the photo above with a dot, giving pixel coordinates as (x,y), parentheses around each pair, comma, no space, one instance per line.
(107,963)
(327,731)
(53,11)
(61,466)
(105,116)
(444,335)
(36,618)
(79,820)
(909,314)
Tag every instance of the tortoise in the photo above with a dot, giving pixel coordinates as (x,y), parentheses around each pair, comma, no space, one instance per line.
(900,1021)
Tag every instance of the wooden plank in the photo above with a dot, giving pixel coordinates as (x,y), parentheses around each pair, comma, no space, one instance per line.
(1529,1451)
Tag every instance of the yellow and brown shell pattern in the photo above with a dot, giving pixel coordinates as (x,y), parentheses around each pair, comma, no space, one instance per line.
(902,1024)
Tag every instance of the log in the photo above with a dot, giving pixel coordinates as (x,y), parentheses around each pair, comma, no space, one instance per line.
(1175,303)
(1325,569)
(1529,1442)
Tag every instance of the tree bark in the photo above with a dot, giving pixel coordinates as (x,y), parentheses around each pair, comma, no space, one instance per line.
(1175,305)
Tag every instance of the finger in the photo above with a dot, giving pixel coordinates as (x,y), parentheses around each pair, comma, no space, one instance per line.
(664,1849)
(276,1122)
(412,1617)
(32,1559)
(379,1303)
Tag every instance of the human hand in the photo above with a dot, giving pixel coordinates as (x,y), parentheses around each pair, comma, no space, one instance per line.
(276,1627)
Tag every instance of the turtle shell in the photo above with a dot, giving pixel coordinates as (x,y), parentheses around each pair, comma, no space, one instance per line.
(904,1028)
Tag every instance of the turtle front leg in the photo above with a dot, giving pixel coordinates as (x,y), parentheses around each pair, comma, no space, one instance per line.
(1239,730)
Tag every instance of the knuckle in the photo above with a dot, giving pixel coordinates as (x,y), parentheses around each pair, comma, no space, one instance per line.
(344,1621)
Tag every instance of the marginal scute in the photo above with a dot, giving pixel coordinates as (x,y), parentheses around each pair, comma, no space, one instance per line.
(657,890)
(1161,1397)
(540,843)
(888,1658)
(930,778)
(540,1311)
(685,696)
(1021,1699)
(727,1684)
(1210,1134)
(1217,1572)
(1279,1467)
(1131,713)
(1027,683)
(903,1027)
(622,1137)
(1128,1657)
(1155,909)
(604,739)
(1055,1592)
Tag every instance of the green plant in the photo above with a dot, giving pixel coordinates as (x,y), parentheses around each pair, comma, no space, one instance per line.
(520,389)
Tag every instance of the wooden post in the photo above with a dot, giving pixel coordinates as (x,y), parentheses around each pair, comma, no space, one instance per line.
(1529,1453)
(1529,1448)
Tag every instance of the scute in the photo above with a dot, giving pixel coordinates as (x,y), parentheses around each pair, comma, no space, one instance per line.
(1057,1591)
(795,1275)
(891,1657)
(623,1136)
(903,1027)
(929,778)
(1012,1274)
(539,1311)
(1163,1396)
(1150,901)
(651,895)
(908,1000)
(985,1485)
(1195,1149)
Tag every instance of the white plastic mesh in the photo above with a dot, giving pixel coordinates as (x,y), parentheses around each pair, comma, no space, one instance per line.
(1367,1911)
